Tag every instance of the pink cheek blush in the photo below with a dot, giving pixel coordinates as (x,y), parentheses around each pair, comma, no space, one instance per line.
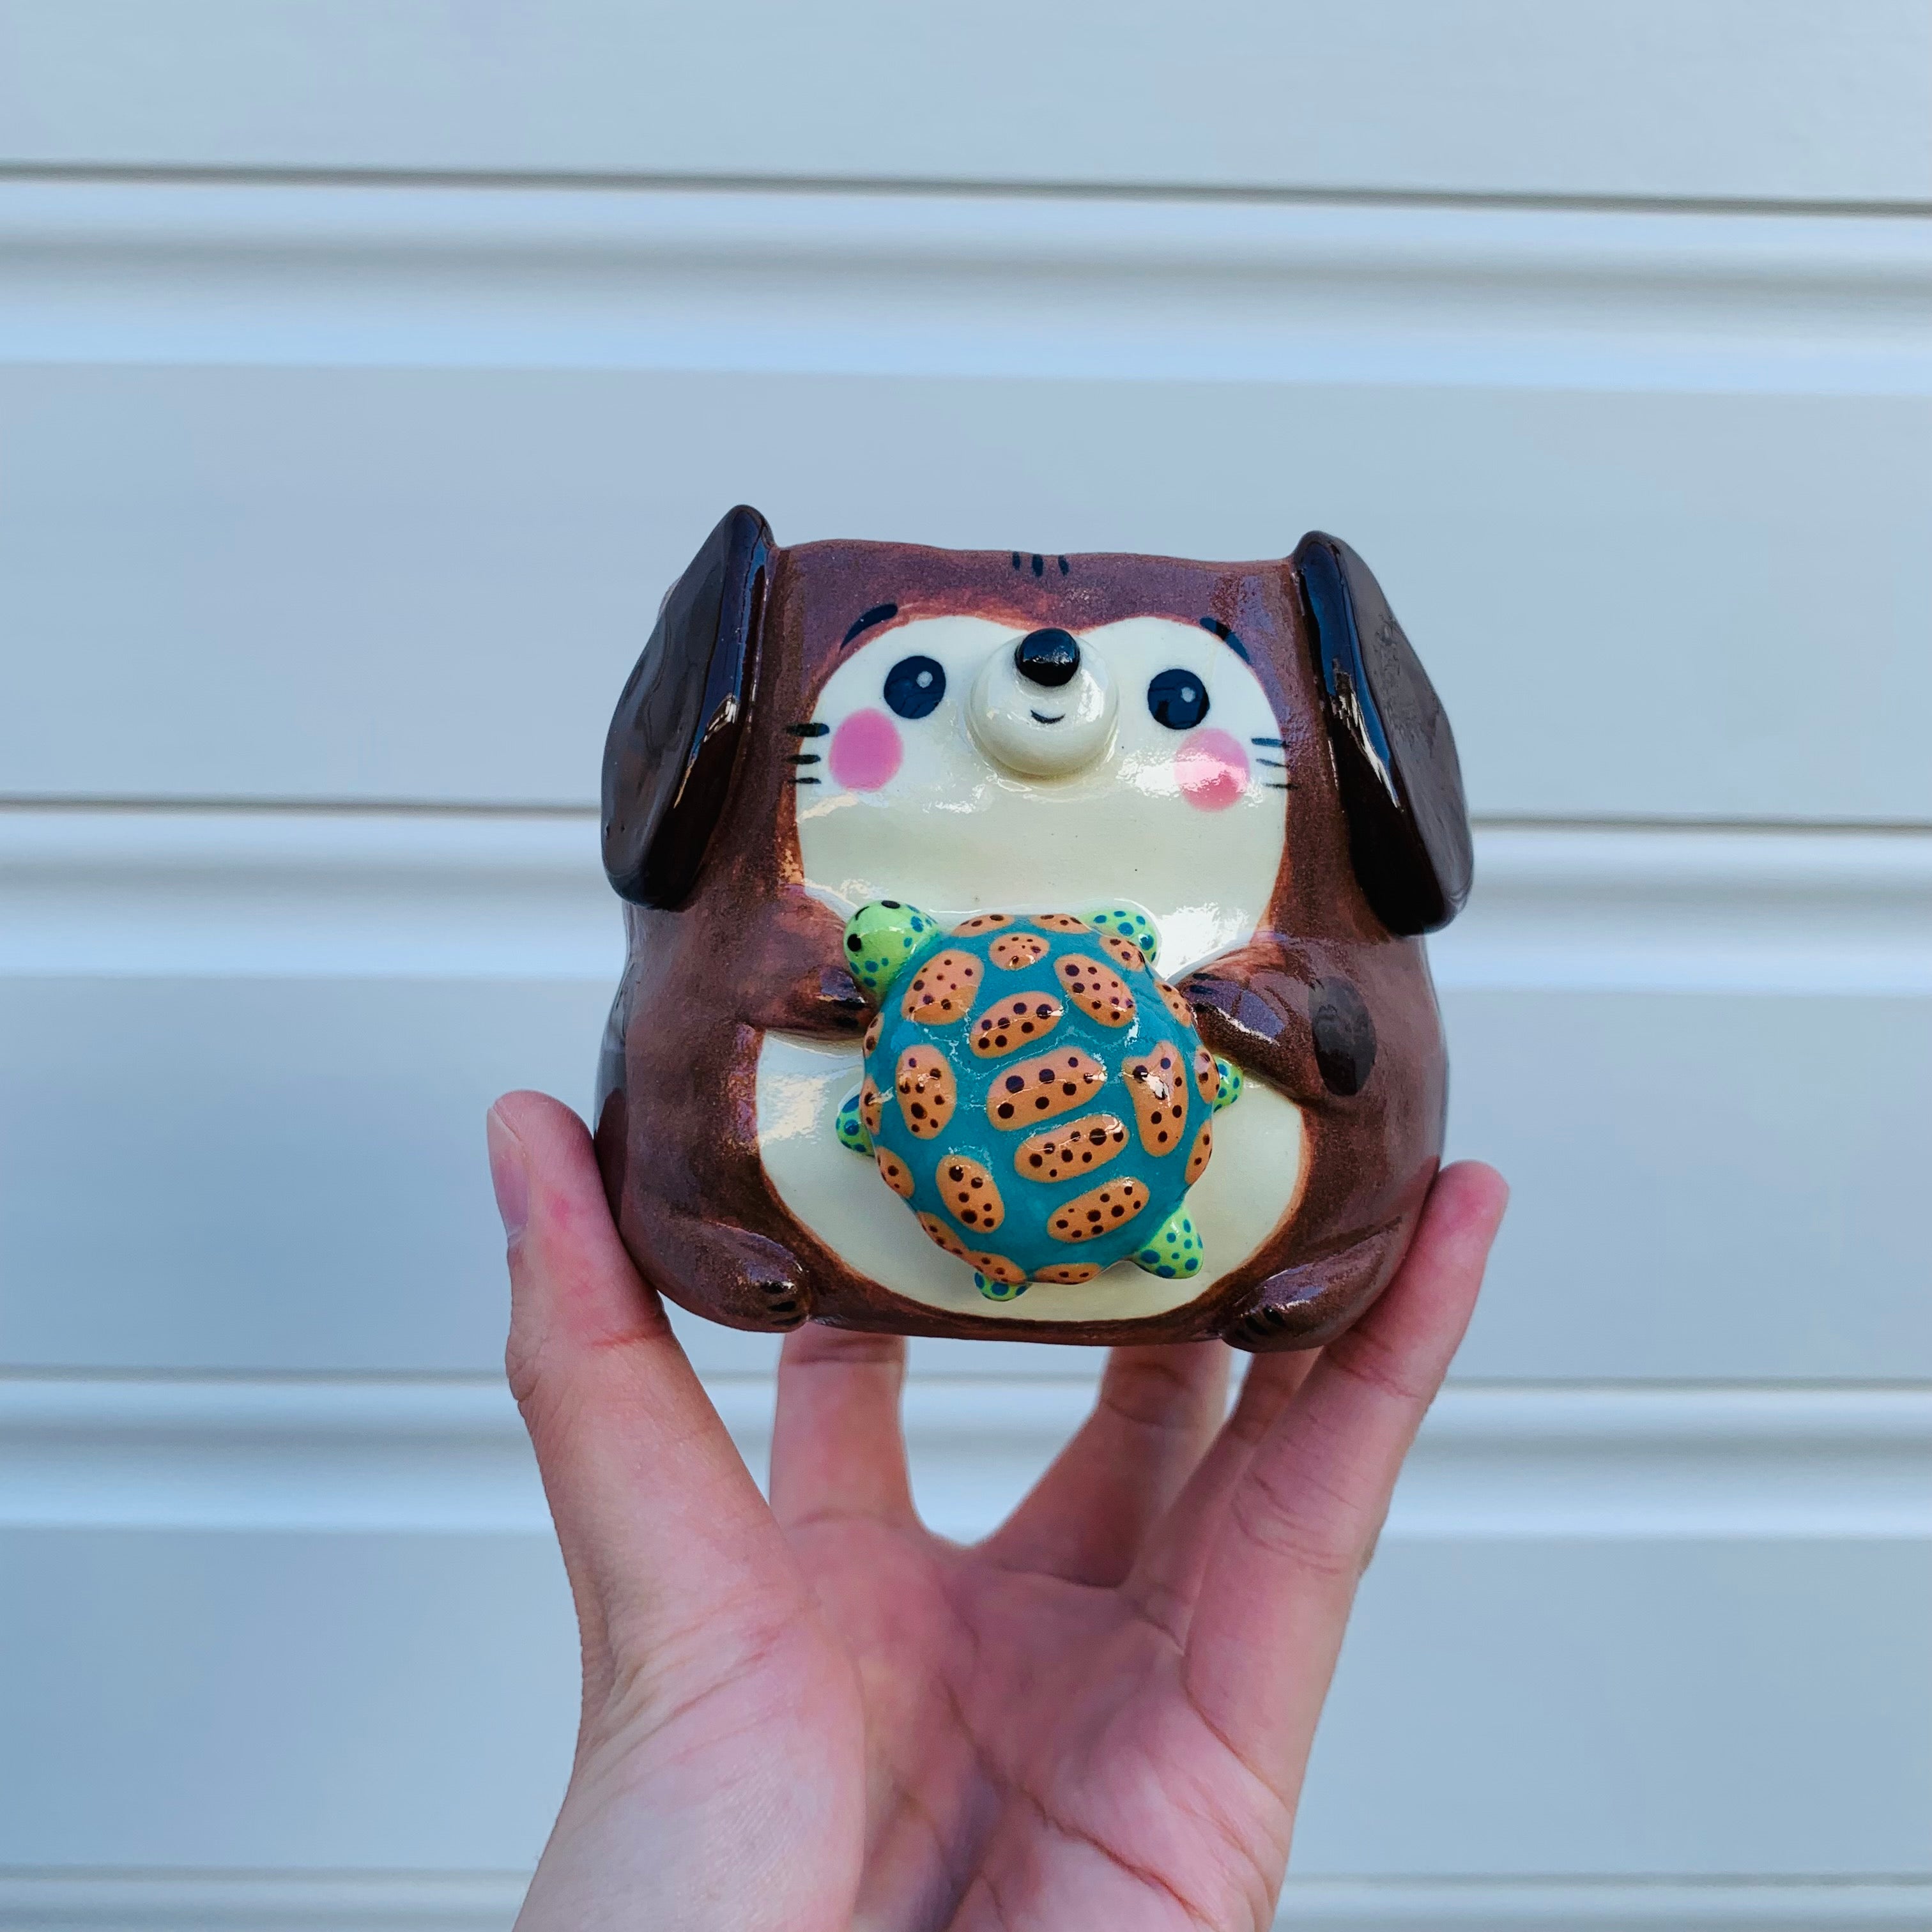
(865,750)
(1212,770)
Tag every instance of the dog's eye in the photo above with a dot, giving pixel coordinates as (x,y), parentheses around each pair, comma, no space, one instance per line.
(1177,699)
(914,685)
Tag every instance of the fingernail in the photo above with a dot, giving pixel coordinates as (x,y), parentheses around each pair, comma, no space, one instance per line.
(508,1175)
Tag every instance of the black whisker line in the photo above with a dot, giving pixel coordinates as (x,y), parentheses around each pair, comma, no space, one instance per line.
(813,758)
(813,731)
(1280,785)
(1279,764)
(1280,744)
(805,779)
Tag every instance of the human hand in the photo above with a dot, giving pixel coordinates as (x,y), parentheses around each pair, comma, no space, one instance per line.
(817,1715)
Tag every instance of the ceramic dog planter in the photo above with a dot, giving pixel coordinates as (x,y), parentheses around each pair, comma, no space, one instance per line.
(1026,945)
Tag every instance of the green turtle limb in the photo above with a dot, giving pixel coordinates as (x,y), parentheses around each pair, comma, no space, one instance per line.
(851,1129)
(1232,1081)
(1129,922)
(1174,1251)
(998,1291)
(880,937)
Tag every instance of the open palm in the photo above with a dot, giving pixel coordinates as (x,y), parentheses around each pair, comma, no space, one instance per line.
(817,1714)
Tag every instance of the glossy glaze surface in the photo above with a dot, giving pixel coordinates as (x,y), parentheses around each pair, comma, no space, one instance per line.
(973,732)
(1259,1146)
(1038,1099)
(951,808)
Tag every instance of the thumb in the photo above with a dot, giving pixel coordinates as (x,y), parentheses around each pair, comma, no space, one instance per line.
(661,1526)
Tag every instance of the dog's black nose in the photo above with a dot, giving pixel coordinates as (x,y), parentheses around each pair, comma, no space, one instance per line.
(1047,657)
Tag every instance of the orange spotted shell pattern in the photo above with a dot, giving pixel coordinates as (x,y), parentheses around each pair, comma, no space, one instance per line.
(1033,1092)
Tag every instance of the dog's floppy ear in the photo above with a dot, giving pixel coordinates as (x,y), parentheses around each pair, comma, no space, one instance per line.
(673,741)
(1395,756)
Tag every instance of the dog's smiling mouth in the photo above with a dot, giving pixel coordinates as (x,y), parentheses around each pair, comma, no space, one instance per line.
(1041,717)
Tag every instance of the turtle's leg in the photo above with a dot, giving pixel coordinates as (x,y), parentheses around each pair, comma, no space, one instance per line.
(1174,1251)
(851,1129)
(1129,922)
(1232,1081)
(998,1291)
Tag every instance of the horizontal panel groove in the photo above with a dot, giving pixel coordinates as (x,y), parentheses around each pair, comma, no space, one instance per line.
(488,1902)
(541,181)
(230,806)
(1529,1905)
(323,894)
(345,440)
(881,284)
(1494,1461)
(1694,910)
(1725,98)
(241,805)
(258,1901)
(306,894)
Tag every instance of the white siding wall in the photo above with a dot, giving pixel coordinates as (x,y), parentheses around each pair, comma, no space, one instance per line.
(364,374)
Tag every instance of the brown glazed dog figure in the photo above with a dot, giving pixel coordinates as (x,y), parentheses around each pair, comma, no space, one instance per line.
(1249,754)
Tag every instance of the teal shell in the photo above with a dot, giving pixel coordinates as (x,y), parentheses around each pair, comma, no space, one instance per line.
(980,1182)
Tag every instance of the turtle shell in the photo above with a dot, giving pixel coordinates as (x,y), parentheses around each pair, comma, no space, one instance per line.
(1042,1099)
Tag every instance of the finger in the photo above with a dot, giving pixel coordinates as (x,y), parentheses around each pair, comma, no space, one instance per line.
(837,1451)
(655,1512)
(1303,1518)
(1086,1518)
(1166,1576)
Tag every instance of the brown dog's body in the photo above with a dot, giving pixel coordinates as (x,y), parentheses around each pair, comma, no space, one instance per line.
(1321,1001)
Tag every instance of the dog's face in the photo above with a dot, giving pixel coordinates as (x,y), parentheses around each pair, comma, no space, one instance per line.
(973,731)
(962,763)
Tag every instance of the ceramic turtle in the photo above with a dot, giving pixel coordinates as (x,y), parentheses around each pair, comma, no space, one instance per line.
(1033,1092)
